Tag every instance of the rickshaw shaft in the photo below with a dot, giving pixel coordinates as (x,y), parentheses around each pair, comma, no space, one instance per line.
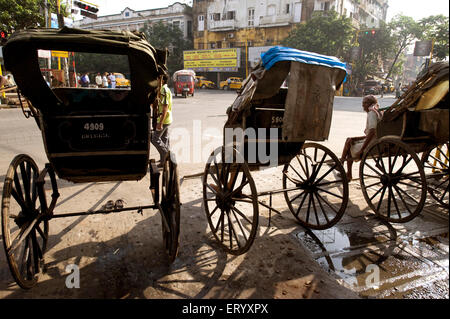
(138,208)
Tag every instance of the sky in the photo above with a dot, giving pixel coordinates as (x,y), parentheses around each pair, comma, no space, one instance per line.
(416,9)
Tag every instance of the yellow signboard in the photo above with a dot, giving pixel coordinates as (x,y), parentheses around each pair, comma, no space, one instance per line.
(222,63)
(60,54)
(210,54)
(212,60)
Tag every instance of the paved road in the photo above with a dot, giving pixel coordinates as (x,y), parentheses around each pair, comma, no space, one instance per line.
(121,255)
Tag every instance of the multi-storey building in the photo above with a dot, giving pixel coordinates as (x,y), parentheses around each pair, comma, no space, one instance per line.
(231,23)
(177,14)
(264,23)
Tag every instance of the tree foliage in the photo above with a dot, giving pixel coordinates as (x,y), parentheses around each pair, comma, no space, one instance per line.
(16,15)
(22,14)
(405,31)
(436,28)
(375,50)
(161,36)
(326,33)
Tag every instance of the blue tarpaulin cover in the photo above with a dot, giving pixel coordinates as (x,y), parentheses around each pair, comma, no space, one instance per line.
(278,53)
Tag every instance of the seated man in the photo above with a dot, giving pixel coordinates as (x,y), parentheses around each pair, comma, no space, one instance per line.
(354,146)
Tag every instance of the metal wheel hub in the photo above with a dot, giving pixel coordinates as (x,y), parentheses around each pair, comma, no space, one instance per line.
(308,186)
(25,217)
(390,180)
(224,201)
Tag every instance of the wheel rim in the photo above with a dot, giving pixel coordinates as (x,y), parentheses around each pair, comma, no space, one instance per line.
(230,200)
(25,232)
(436,165)
(170,205)
(316,187)
(393,181)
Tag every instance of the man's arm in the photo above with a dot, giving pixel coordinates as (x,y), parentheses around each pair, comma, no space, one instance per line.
(165,108)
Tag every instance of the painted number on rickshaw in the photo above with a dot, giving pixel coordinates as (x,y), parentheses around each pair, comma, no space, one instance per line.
(277,119)
(94,126)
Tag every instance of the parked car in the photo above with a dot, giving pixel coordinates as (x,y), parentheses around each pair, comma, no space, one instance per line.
(372,87)
(231,83)
(202,82)
(121,81)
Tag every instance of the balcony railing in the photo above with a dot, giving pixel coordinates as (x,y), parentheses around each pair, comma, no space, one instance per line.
(278,19)
(222,25)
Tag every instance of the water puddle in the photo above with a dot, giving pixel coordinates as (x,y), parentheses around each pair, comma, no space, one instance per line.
(377,262)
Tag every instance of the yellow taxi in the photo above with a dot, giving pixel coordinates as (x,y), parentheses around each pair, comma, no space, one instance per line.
(231,83)
(203,83)
(121,81)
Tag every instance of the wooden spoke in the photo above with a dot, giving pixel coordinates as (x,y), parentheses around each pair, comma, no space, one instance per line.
(301,205)
(239,224)
(381,198)
(314,208)
(328,192)
(298,174)
(380,157)
(322,208)
(328,204)
(379,190)
(241,214)
(293,199)
(326,174)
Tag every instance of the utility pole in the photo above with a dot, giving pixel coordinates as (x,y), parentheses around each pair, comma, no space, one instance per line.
(46,13)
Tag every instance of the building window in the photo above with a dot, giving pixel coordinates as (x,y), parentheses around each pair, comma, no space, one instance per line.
(189,28)
(127,14)
(288,8)
(271,10)
(201,23)
(176,24)
(251,17)
(212,45)
(219,45)
(201,46)
(215,16)
(230,15)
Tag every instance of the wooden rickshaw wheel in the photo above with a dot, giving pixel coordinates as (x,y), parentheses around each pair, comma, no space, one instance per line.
(24,230)
(230,200)
(389,167)
(316,187)
(435,162)
(170,206)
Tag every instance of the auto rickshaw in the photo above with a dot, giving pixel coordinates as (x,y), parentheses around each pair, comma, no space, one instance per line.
(184,82)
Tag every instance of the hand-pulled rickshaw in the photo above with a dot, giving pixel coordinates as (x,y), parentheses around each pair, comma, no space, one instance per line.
(89,134)
(314,181)
(394,180)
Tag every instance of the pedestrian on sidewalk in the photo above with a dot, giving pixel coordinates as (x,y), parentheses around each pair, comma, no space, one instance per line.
(162,109)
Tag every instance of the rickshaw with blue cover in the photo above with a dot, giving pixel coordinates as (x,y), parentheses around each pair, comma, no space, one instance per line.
(270,115)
